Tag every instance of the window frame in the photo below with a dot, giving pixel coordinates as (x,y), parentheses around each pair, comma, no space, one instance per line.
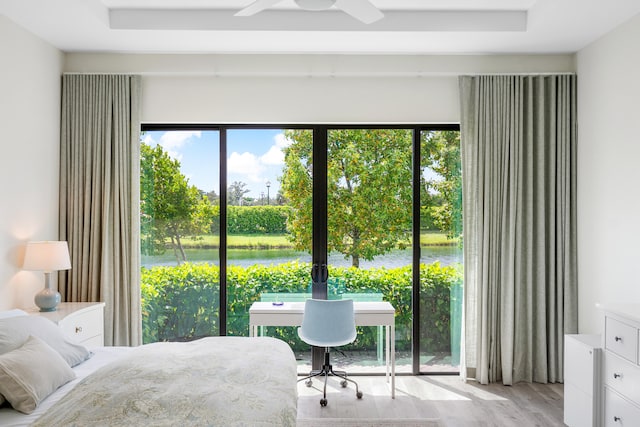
(319,248)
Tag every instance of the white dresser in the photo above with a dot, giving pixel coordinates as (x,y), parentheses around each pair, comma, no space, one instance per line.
(621,365)
(83,322)
(582,385)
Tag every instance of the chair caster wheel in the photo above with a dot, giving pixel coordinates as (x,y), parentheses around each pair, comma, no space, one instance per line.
(359,395)
(323,402)
(343,383)
(308,383)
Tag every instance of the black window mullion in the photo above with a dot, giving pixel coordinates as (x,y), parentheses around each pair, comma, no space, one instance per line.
(223,233)
(415,300)
(319,245)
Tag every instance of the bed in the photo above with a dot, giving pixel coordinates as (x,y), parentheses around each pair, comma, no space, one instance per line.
(225,381)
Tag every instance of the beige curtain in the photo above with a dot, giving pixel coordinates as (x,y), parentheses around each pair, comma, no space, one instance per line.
(519,199)
(99,198)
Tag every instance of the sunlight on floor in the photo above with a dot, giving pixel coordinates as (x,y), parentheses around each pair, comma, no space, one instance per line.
(469,388)
(441,388)
(449,399)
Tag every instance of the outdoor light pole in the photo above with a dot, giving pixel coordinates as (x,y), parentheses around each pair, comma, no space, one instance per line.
(268,185)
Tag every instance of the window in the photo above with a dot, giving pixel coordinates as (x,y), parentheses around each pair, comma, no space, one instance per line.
(387,226)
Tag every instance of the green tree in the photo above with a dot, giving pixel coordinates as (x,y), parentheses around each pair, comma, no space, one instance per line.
(213,197)
(369,190)
(236,192)
(442,195)
(170,207)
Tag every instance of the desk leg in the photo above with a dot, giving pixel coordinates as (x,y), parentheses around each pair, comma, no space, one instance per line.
(252,330)
(393,359)
(380,344)
(387,358)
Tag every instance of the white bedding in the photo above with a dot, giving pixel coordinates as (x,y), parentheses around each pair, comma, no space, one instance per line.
(226,381)
(101,357)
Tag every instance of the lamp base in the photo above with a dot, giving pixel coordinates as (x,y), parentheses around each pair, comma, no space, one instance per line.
(47,299)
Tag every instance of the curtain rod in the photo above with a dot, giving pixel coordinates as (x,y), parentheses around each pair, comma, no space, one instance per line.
(563,73)
(320,74)
(98,74)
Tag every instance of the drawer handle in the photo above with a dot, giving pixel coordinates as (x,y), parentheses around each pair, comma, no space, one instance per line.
(618,339)
(616,419)
(78,329)
(617,375)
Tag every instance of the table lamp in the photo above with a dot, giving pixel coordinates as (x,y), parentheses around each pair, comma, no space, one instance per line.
(47,257)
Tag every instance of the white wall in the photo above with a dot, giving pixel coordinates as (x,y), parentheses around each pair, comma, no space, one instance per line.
(292,89)
(30,134)
(608,172)
(299,99)
(331,89)
(204,88)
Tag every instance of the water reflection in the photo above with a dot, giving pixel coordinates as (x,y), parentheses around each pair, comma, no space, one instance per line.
(447,255)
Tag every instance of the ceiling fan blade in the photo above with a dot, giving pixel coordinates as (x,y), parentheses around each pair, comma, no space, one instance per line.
(362,10)
(256,6)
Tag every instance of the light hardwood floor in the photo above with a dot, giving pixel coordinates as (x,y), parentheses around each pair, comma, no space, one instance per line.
(446,398)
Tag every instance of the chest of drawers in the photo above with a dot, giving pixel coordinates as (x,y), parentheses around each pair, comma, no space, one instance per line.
(83,322)
(621,365)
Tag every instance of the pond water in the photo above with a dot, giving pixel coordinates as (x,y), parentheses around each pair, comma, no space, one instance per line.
(245,257)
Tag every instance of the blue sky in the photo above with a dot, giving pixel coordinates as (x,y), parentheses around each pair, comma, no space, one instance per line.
(255,156)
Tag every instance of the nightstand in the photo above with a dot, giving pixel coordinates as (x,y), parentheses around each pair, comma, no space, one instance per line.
(83,322)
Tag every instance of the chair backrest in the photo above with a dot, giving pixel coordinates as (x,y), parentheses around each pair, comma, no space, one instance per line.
(328,323)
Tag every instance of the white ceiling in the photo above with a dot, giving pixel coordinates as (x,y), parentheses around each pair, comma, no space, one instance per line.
(409,26)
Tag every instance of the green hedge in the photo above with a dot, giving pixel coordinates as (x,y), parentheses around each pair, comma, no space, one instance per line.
(181,303)
(252,219)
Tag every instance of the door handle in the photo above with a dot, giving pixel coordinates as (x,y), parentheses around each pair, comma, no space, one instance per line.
(324,273)
(319,273)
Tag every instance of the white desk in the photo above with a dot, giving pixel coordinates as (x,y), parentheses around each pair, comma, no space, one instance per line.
(379,313)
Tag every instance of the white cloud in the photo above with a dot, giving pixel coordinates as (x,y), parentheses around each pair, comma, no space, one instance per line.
(258,169)
(148,139)
(247,164)
(173,141)
(282,141)
(275,155)
(177,138)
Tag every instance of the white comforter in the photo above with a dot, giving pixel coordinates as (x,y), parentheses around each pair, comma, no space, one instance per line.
(217,381)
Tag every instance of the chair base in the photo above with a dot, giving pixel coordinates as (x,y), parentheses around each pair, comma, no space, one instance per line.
(326,371)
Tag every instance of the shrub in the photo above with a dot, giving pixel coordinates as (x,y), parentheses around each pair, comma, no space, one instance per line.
(181,303)
(252,219)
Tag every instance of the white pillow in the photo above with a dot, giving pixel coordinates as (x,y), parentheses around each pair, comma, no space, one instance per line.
(12,313)
(15,331)
(32,372)
(5,315)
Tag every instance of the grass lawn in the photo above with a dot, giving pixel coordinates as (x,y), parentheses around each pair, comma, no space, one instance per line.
(244,241)
(434,238)
(280,241)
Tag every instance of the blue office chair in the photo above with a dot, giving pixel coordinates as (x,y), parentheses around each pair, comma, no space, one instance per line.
(328,323)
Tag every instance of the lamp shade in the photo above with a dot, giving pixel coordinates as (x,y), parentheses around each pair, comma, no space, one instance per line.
(47,256)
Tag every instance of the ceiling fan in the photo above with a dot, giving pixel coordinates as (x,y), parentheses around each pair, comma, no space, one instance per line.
(362,10)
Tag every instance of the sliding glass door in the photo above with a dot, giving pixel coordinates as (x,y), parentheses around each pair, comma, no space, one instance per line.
(285,213)
(369,200)
(266,257)
(439,283)
(180,234)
